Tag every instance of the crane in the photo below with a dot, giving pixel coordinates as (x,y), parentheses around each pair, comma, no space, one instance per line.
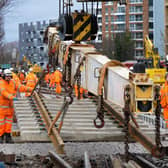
(151,53)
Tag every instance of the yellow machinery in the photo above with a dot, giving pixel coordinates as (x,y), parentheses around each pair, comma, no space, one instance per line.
(153,69)
(29,64)
(36,68)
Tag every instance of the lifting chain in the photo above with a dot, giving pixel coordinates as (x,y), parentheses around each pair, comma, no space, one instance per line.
(126,109)
(69,65)
(157,116)
(67,75)
(100,112)
(78,82)
(157,125)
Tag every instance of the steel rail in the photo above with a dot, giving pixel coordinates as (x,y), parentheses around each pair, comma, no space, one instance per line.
(54,136)
(61,162)
(87,160)
(134,132)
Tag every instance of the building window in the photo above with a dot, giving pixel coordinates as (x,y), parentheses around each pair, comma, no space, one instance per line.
(106,27)
(135,9)
(112,27)
(112,36)
(151,35)
(109,3)
(121,10)
(139,18)
(106,10)
(139,35)
(99,37)
(150,13)
(100,28)
(106,18)
(121,27)
(139,44)
(139,26)
(139,53)
(99,20)
(107,35)
(135,1)
(150,25)
(112,19)
(99,11)
(120,18)
(112,10)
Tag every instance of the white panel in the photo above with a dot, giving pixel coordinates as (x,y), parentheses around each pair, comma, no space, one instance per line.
(117,80)
(94,61)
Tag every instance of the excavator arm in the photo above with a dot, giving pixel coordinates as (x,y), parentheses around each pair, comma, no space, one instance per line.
(151,53)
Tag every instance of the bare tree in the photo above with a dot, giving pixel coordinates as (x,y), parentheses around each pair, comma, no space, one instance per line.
(3,8)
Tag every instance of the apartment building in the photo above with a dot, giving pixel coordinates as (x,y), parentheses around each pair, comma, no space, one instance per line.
(31,41)
(137,17)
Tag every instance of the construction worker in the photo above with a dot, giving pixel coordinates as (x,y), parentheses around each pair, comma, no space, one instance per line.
(7,84)
(52,79)
(47,78)
(14,76)
(58,80)
(164,99)
(81,91)
(31,80)
(21,76)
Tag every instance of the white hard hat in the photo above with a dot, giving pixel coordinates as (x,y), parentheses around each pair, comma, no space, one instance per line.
(31,69)
(23,71)
(131,68)
(11,69)
(7,72)
(0,70)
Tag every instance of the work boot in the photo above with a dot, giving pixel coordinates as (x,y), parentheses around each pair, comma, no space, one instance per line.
(8,138)
(2,138)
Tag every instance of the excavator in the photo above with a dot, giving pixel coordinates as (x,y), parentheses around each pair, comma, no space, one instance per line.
(152,59)
(36,68)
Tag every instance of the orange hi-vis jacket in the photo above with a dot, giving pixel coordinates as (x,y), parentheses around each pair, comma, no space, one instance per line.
(21,77)
(15,77)
(31,80)
(7,93)
(52,79)
(47,78)
(164,101)
(58,76)
(58,79)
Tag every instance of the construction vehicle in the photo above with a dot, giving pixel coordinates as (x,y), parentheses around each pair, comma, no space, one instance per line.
(27,62)
(152,57)
(36,68)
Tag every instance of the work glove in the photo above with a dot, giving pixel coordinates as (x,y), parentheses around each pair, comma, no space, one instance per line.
(15,99)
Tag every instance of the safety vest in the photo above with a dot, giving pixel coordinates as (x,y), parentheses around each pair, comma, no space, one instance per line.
(57,76)
(164,96)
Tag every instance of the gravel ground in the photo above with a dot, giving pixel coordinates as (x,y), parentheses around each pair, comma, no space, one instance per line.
(36,154)
(71,149)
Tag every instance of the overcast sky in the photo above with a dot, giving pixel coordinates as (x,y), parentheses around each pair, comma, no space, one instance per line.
(27,11)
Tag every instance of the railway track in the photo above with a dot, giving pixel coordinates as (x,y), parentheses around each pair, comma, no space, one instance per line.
(78,122)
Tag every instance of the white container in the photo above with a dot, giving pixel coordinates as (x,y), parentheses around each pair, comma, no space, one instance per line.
(117,79)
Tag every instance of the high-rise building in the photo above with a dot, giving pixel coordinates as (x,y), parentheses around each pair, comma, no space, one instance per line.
(138,18)
(31,41)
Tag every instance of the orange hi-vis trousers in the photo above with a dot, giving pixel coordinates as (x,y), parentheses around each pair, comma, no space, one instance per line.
(58,88)
(81,92)
(5,124)
(165,114)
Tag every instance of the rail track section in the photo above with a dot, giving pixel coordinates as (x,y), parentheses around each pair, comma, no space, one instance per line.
(78,122)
